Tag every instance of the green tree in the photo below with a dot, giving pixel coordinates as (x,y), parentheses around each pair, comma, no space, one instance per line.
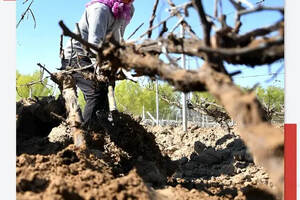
(81,100)
(30,85)
(167,110)
(131,97)
(271,97)
(128,97)
(197,96)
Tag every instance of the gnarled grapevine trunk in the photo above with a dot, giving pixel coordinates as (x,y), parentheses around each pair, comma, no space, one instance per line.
(74,116)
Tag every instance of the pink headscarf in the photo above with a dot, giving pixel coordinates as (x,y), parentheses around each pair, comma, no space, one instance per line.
(119,9)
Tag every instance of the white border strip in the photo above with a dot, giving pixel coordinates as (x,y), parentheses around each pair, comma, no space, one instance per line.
(8,99)
(292,69)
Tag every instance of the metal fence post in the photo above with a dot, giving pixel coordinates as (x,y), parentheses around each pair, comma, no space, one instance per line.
(184,108)
(157,103)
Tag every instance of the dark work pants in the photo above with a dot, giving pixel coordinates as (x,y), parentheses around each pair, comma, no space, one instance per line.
(95,94)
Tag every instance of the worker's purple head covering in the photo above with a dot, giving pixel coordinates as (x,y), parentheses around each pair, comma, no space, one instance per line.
(118,8)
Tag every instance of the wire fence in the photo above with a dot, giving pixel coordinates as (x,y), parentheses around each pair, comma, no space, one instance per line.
(201,120)
(206,121)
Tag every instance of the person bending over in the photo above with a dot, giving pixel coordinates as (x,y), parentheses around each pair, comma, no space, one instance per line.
(100,18)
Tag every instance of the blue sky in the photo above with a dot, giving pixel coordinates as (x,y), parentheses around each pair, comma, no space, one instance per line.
(42,43)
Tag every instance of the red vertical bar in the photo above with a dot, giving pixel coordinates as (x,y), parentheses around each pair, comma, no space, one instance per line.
(290,162)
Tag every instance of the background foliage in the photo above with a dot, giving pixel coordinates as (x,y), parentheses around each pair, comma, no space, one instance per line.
(24,86)
(132,97)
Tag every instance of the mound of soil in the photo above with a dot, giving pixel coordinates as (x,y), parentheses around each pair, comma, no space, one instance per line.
(126,160)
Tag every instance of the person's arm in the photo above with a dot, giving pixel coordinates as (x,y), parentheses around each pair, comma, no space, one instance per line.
(123,27)
(99,19)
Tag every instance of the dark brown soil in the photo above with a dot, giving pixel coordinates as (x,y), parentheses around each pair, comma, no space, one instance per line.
(126,160)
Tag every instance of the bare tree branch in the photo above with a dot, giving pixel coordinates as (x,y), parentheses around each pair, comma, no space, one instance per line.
(175,10)
(237,5)
(154,27)
(135,30)
(59,117)
(28,9)
(260,8)
(152,17)
(269,50)
(67,32)
(33,17)
(61,50)
(216,8)
(205,24)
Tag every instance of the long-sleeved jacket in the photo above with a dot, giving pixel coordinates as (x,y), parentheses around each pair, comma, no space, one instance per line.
(96,22)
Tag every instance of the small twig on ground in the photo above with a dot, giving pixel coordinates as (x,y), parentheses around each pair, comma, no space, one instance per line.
(59,117)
